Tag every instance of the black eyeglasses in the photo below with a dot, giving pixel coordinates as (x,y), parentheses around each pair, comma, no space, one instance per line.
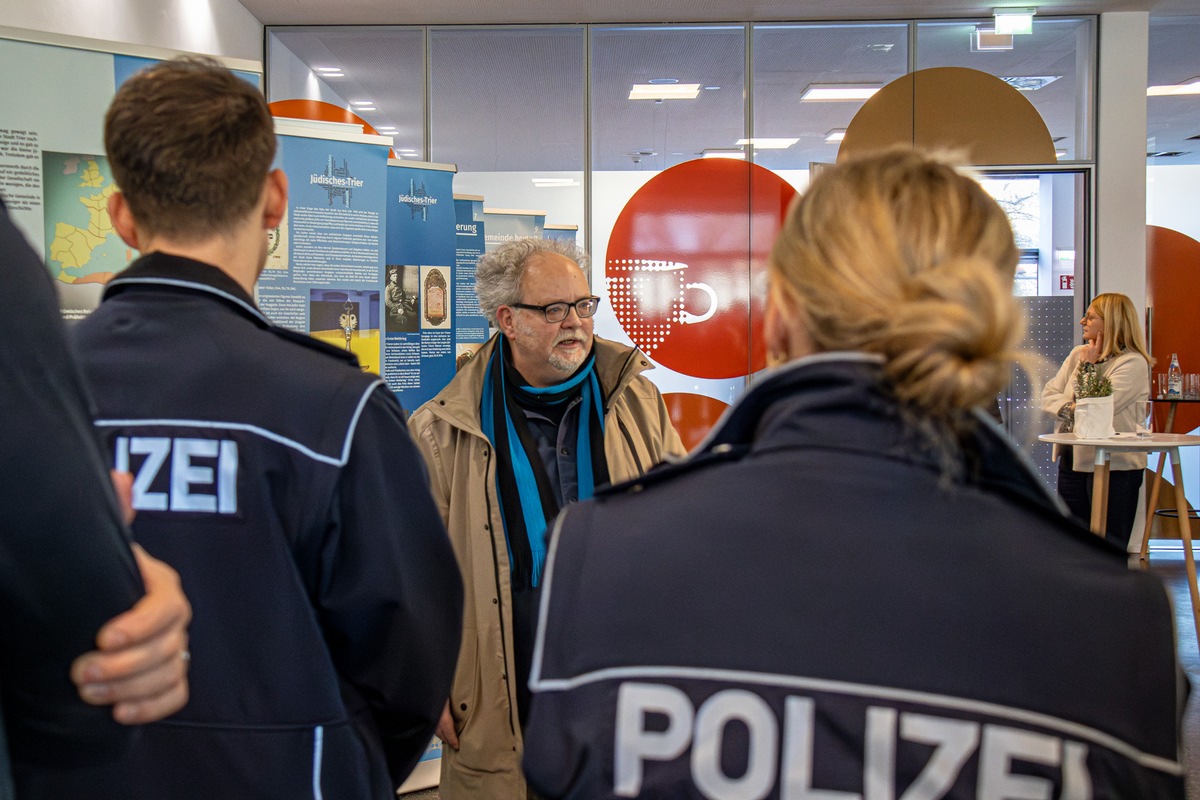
(557,312)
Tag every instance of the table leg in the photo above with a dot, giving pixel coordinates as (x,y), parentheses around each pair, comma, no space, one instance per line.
(1100,497)
(1152,502)
(1152,505)
(1185,531)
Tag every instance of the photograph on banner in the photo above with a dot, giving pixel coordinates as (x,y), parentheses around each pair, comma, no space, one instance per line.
(347,319)
(401,295)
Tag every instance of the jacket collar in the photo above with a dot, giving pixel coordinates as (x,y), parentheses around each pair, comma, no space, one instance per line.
(616,366)
(840,401)
(181,274)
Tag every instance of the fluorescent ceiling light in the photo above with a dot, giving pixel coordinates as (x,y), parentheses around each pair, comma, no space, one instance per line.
(1173,90)
(1030,83)
(718,152)
(362,102)
(839,91)
(985,40)
(386,128)
(1014,20)
(652,91)
(554,183)
(836,135)
(338,74)
(768,144)
(328,69)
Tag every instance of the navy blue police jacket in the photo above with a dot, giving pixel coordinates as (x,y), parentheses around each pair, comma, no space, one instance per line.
(816,604)
(280,481)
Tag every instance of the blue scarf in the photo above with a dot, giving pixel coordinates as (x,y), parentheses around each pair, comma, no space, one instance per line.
(527,500)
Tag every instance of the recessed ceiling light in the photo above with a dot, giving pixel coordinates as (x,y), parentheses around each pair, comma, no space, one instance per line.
(836,135)
(722,152)
(333,74)
(880,48)
(761,143)
(650,91)
(1191,86)
(711,88)
(662,81)
(386,128)
(985,40)
(1030,83)
(1014,20)
(328,69)
(839,91)
(362,102)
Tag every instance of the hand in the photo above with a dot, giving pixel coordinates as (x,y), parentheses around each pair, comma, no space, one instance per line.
(1095,347)
(445,728)
(123,485)
(141,661)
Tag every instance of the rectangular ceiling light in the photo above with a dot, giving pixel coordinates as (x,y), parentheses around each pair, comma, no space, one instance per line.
(839,91)
(1030,83)
(985,40)
(836,135)
(1014,20)
(661,91)
(719,152)
(760,143)
(1172,90)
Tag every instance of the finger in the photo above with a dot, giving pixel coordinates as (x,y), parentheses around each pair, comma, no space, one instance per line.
(154,708)
(123,485)
(117,668)
(445,728)
(158,679)
(163,607)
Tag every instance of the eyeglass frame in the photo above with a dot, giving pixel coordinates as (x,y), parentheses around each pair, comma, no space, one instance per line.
(592,299)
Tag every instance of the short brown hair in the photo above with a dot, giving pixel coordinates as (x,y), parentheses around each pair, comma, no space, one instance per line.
(190,145)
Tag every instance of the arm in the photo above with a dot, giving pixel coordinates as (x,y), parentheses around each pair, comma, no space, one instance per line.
(391,602)
(1060,390)
(1130,376)
(65,562)
(140,664)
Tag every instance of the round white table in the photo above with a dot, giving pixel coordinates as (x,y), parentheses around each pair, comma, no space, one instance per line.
(1166,443)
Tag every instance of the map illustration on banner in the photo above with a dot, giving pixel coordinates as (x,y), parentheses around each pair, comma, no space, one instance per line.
(83,252)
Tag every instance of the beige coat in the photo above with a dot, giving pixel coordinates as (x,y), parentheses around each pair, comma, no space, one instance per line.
(462,467)
(1130,376)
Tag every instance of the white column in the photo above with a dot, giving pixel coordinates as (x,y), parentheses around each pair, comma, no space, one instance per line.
(1121,155)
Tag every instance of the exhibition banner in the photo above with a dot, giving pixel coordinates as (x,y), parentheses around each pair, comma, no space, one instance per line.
(54,177)
(419,292)
(472,329)
(506,225)
(324,271)
(566,233)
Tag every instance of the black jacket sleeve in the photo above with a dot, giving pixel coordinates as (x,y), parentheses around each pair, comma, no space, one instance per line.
(65,563)
(392,597)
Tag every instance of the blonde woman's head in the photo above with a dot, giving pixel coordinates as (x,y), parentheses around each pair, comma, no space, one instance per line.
(900,254)
(1116,319)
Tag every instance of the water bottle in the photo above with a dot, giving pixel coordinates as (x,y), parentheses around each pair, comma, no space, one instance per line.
(1174,379)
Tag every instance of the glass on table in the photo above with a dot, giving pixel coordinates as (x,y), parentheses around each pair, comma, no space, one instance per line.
(1144,422)
(1162,385)
(1191,386)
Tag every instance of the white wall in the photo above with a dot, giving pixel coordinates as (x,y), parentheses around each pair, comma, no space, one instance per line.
(211,27)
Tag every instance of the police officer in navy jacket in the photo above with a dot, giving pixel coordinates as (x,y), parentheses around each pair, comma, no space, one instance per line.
(856,589)
(275,474)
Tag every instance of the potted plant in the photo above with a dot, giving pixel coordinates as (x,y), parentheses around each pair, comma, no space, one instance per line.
(1093,404)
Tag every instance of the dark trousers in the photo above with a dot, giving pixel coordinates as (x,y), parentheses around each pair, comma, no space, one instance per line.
(1124,485)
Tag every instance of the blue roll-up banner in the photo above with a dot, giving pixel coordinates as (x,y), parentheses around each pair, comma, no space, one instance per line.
(506,225)
(566,233)
(420,298)
(324,271)
(471,330)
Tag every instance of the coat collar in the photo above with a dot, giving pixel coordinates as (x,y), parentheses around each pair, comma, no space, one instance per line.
(840,401)
(616,366)
(181,274)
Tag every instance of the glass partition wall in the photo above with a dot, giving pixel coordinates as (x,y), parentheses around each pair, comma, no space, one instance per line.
(575,120)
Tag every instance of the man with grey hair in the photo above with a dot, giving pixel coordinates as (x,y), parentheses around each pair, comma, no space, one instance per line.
(544,414)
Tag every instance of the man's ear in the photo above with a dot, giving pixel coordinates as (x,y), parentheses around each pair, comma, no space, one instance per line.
(504,321)
(122,220)
(276,191)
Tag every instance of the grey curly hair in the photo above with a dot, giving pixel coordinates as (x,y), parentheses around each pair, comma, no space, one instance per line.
(498,274)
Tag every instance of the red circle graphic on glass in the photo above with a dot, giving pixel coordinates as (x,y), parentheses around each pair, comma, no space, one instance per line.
(686,265)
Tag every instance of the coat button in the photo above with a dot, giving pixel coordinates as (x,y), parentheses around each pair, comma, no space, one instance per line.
(495,601)
(487,527)
(485,452)
(463,706)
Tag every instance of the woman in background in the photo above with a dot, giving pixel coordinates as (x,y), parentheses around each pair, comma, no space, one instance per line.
(1114,347)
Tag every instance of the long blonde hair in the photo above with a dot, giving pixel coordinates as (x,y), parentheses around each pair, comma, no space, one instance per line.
(1122,329)
(898,253)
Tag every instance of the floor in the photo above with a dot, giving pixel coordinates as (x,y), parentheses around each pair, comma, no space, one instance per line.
(1168,565)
